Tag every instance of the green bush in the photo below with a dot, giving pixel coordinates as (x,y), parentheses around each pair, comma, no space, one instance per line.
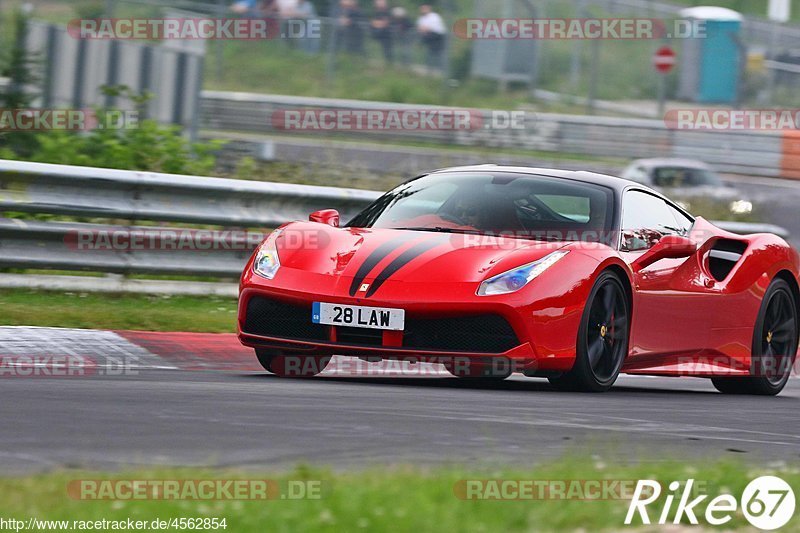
(148,146)
(132,145)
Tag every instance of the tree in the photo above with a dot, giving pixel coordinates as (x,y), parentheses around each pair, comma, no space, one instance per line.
(19,94)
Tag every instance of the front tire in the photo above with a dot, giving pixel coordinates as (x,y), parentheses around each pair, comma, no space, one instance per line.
(775,340)
(291,366)
(602,343)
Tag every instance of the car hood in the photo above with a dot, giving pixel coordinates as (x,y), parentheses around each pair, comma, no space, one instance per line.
(406,255)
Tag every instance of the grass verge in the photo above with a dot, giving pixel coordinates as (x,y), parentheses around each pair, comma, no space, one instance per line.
(23,307)
(393,499)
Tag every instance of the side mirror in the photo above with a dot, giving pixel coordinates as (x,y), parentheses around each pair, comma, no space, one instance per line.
(325,216)
(669,247)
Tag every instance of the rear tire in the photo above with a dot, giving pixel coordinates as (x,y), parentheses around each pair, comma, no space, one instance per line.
(775,341)
(291,366)
(602,343)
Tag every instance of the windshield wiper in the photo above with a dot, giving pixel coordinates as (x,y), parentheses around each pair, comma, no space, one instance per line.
(440,229)
(535,237)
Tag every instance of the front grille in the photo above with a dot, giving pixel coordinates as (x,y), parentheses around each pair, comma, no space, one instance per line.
(272,318)
(359,336)
(479,334)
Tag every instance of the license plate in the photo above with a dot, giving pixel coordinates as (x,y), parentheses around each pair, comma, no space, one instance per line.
(358,316)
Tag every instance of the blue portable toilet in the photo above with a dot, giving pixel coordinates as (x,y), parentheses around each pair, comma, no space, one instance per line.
(710,65)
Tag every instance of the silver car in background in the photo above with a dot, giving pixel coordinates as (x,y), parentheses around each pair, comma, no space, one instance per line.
(693,184)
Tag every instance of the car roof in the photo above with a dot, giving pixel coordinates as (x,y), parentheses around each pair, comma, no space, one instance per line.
(612,182)
(656,162)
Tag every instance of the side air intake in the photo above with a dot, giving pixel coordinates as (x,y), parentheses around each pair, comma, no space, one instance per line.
(723,257)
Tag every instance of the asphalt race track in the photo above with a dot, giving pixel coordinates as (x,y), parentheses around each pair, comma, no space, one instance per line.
(181,411)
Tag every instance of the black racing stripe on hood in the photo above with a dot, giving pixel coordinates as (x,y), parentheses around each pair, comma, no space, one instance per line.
(373,259)
(399,262)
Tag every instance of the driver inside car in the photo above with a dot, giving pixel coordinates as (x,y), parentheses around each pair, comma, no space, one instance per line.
(468,212)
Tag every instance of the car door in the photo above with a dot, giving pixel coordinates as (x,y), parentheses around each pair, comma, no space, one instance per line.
(670,295)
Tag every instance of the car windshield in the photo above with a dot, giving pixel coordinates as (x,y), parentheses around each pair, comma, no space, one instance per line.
(521,205)
(685,177)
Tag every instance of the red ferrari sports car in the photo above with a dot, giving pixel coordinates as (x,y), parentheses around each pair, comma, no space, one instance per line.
(489,270)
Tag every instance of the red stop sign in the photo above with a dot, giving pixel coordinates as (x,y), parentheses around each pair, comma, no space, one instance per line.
(664,59)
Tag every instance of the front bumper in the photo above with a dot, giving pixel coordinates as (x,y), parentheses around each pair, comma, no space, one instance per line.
(524,354)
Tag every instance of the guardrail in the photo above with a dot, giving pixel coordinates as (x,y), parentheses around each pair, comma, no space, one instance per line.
(145,199)
(139,197)
(132,195)
(757,153)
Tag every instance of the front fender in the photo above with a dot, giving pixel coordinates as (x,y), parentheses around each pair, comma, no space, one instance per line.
(559,300)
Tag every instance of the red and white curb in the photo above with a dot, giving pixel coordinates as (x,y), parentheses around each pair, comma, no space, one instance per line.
(34,346)
(122,352)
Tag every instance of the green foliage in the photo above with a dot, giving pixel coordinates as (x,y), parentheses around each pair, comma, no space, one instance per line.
(90,9)
(331,173)
(18,95)
(246,168)
(121,141)
(118,311)
(18,68)
(461,64)
(403,498)
(148,146)
(258,67)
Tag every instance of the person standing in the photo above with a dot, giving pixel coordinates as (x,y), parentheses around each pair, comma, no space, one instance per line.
(286,8)
(381,29)
(348,25)
(244,7)
(296,18)
(433,33)
(268,8)
(304,12)
(402,35)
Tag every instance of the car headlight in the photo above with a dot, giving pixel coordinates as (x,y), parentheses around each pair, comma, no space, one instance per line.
(267,261)
(516,278)
(741,207)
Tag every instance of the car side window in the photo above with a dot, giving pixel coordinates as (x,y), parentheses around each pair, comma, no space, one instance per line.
(683,223)
(647,218)
(670,177)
